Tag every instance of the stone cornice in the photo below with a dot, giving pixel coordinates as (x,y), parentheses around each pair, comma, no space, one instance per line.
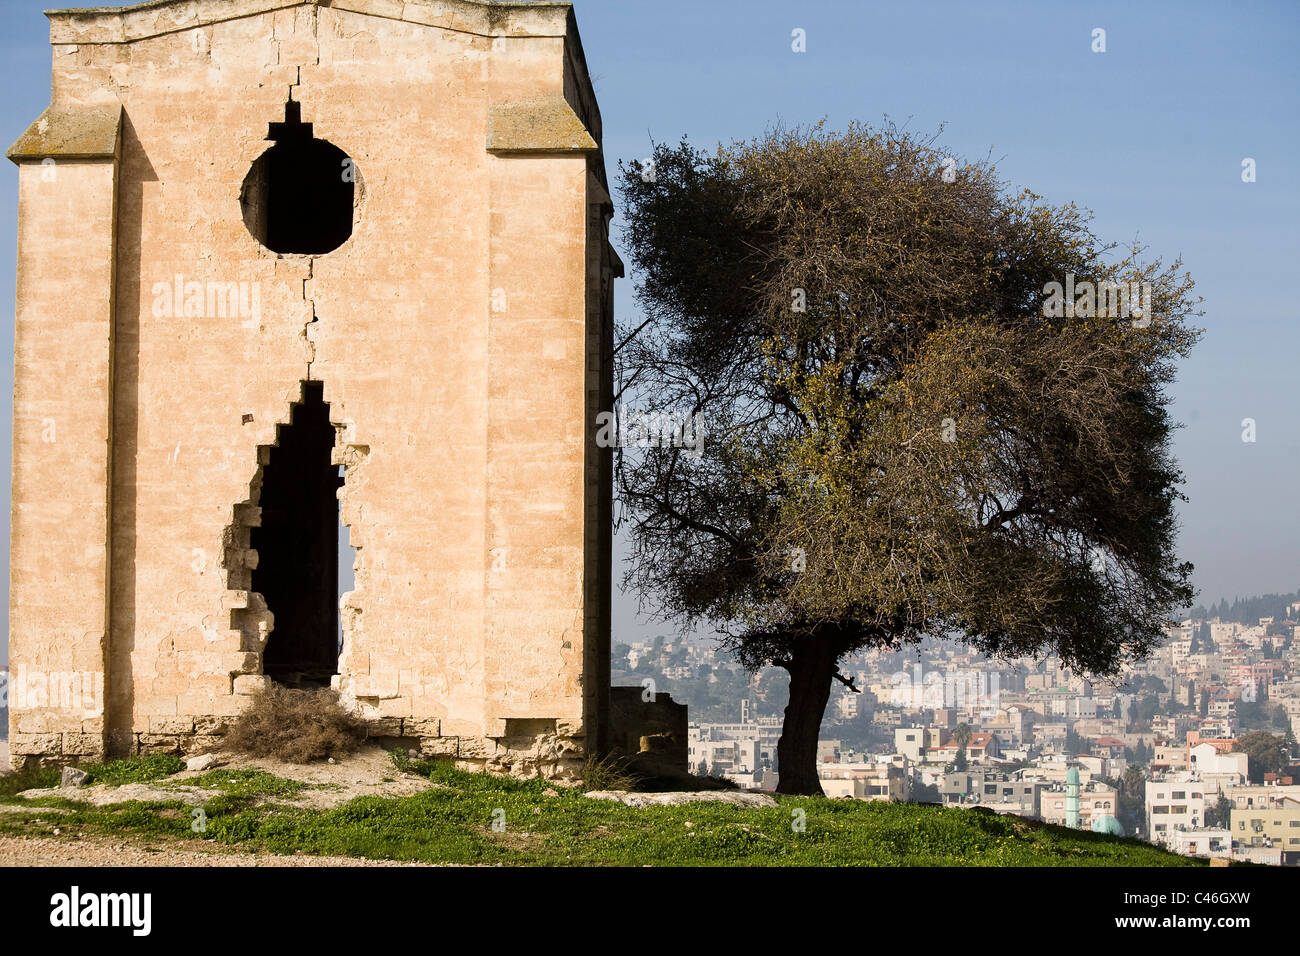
(489,18)
(71,133)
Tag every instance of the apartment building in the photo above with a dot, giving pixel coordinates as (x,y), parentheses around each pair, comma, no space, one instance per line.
(1252,796)
(866,781)
(914,742)
(1273,828)
(1217,768)
(1208,842)
(981,746)
(997,791)
(1168,758)
(1174,805)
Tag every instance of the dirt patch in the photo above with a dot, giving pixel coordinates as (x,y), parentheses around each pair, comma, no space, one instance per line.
(369,772)
(85,850)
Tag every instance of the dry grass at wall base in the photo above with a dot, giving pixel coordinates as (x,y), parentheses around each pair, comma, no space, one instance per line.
(297,726)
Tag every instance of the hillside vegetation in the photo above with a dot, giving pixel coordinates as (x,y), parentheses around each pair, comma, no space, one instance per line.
(453,822)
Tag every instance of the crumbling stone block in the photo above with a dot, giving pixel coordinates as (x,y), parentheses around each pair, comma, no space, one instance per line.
(384,727)
(84,745)
(171,725)
(249,684)
(158,744)
(439,746)
(34,744)
(211,726)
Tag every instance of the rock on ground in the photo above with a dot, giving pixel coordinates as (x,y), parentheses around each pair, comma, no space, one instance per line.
(74,777)
(104,794)
(202,762)
(735,798)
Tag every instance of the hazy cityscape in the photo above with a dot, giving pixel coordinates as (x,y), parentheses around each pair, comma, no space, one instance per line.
(1192,749)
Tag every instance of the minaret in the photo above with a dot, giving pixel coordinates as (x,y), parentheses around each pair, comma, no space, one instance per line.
(1072,798)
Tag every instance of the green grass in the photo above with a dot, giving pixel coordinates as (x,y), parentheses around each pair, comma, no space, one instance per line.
(453,823)
(135,769)
(117,772)
(247,783)
(29,778)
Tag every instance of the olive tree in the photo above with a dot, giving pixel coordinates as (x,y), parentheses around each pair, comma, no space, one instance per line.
(931,406)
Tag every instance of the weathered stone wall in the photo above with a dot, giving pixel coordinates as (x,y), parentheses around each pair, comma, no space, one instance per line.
(461,334)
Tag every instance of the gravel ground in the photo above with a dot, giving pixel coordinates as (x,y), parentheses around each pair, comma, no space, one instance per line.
(111,851)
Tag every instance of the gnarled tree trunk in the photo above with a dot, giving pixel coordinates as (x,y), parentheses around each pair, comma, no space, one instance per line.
(812,667)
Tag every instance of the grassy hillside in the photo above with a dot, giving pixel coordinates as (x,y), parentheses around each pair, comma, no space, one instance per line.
(452,822)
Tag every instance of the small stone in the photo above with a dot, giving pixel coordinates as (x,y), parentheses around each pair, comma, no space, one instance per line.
(202,762)
(331,760)
(548,792)
(74,777)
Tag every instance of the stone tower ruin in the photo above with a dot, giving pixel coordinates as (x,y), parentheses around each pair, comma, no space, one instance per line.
(282,262)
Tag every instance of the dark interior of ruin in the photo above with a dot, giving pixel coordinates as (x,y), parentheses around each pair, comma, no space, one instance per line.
(297,547)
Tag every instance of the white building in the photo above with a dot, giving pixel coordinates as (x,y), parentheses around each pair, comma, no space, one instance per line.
(1174,805)
(1218,770)
(1205,842)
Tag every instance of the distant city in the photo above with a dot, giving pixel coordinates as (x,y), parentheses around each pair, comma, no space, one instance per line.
(1194,748)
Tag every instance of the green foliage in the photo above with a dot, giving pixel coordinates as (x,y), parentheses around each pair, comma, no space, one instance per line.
(1219,815)
(1267,753)
(1133,783)
(962,735)
(926,793)
(246,783)
(116,772)
(920,302)
(713,693)
(1262,715)
(1249,610)
(1073,743)
(1146,709)
(1130,808)
(29,778)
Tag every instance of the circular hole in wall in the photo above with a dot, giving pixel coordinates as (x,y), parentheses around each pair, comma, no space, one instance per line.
(299,196)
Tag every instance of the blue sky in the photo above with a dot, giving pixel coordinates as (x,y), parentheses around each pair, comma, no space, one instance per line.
(1150,135)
